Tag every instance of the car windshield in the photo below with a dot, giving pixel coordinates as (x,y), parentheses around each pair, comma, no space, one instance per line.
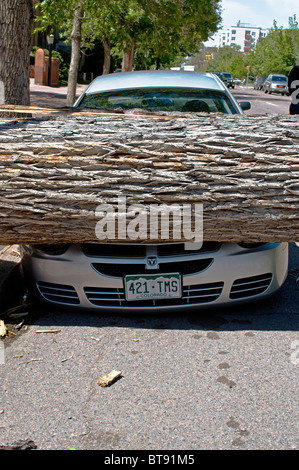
(162,99)
(279,79)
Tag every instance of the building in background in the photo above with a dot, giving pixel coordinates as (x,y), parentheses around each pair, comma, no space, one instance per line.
(244,35)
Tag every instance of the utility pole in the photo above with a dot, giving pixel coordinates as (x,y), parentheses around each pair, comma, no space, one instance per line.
(50,40)
(248,72)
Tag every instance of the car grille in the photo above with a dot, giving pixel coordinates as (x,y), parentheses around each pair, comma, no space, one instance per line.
(113,297)
(139,251)
(250,286)
(183,267)
(58,293)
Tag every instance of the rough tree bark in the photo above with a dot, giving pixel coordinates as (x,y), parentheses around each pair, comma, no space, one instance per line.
(128,57)
(56,170)
(75,55)
(16,19)
(107,56)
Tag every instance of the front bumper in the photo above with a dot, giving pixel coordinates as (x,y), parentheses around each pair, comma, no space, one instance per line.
(277,89)
(226,275)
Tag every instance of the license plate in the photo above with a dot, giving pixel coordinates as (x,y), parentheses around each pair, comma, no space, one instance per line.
(153,286)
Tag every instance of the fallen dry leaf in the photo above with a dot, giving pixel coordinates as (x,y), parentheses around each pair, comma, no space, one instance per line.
(47,331)
(3,329)
(109,378)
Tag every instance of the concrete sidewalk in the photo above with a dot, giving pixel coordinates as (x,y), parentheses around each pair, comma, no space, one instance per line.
(50,97)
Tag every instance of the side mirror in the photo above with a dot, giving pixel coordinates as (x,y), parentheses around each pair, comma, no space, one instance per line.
(245,105)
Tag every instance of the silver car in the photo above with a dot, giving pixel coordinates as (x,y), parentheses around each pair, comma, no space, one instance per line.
(162,91)
(276,83)
(165,276)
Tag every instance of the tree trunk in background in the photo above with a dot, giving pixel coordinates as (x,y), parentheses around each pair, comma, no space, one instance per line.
(16,19)
(75,55)
(128,57)
(107,56)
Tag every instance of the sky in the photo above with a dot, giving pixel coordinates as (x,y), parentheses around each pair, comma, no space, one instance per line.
(260,13)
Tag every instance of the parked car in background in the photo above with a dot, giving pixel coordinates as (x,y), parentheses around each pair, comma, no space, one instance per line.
(228,80)
(219,75)
(258,82)
(237,81)
(167,276)
(276,83)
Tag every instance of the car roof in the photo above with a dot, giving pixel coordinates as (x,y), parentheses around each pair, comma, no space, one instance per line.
(155,78)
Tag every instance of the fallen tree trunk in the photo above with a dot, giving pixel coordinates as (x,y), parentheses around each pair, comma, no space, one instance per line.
(55,170)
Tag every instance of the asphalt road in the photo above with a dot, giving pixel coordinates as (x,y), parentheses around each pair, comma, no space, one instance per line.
(223,379)
(262,103)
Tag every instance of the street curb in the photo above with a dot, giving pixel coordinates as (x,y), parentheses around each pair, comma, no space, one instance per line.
(11,277)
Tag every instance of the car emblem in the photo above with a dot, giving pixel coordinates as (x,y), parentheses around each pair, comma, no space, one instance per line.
(151,261)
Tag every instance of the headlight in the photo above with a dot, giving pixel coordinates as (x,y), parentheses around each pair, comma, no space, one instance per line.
(250,245)
(58,249)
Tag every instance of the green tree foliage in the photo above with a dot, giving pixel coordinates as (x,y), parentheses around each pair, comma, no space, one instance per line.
(276,52)
(227,59)
(159,30)
(293,23)
(180,29)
